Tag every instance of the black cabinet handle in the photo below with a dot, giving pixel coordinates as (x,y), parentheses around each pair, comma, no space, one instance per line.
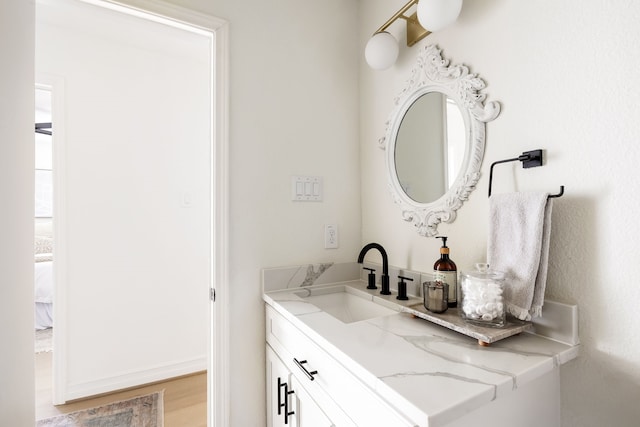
(280,404)
(307,373)
(287,414)
(283,400)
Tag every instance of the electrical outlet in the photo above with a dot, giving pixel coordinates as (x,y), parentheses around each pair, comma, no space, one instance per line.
(330,236)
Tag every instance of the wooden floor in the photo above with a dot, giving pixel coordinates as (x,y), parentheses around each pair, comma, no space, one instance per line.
(185,398)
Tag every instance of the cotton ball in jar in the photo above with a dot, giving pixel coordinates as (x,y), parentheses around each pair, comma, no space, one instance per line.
(482,297)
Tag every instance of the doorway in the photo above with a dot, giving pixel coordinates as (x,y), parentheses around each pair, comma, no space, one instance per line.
(136,193)
(43,221)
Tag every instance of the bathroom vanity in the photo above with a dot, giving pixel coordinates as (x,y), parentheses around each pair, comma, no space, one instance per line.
(339,355)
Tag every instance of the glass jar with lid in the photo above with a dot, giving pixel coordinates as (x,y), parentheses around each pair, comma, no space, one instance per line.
(483,297)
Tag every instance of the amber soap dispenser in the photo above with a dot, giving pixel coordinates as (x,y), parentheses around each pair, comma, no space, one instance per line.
(445,270)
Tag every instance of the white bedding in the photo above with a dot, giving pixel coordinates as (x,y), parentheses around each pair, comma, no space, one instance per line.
(43,275)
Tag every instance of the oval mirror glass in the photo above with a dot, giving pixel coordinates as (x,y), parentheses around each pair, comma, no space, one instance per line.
(430,147)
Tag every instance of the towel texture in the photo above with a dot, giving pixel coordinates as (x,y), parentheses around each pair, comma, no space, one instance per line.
(518,245)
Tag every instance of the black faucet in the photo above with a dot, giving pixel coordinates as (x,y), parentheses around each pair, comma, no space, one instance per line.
(385,265)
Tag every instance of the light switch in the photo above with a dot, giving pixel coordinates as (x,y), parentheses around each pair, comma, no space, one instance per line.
(186,199)
(306,188)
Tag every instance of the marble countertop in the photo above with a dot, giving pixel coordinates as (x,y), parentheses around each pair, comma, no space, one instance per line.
(428,372)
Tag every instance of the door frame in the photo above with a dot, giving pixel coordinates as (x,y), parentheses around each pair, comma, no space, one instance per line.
(218,337)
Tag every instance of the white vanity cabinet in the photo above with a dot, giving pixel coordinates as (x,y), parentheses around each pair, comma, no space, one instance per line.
(288,403)
(321,385)
(399,371)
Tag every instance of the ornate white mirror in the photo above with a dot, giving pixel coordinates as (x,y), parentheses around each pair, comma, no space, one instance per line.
(435,140)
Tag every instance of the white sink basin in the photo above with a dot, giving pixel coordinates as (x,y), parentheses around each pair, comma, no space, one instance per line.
(345,306)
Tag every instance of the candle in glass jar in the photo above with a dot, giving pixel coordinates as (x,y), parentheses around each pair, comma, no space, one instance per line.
(436,296)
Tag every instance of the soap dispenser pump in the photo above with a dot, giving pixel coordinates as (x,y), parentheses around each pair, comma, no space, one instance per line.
(445,270)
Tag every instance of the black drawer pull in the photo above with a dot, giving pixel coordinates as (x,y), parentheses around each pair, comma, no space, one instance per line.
(307,373)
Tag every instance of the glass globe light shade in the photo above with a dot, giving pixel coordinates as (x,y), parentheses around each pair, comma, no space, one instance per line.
(381,51)
(434,15)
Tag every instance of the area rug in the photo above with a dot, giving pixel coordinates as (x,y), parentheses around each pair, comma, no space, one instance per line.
(44,340)
(141,411)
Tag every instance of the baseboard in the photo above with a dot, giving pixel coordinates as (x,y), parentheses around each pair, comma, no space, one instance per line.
(134,379)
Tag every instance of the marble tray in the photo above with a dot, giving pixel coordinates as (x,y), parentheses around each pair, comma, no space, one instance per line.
(451,319)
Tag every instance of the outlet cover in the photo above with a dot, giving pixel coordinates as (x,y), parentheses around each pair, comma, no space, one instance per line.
(330,236)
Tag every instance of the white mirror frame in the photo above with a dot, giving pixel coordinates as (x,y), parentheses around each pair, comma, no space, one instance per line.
(433,73)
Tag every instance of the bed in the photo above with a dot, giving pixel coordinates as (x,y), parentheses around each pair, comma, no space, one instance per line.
(43,282)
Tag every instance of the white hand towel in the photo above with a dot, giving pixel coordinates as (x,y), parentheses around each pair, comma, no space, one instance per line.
(518,245)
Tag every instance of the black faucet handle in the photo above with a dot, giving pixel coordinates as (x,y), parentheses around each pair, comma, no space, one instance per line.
(402,288)
(371,278)
(384,281)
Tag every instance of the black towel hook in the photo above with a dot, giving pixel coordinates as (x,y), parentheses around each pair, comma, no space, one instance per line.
(529,159)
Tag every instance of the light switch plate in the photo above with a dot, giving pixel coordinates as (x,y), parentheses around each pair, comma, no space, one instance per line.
(306,188)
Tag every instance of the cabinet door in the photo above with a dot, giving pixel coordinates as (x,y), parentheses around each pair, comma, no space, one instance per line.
(308,413)
(281,404)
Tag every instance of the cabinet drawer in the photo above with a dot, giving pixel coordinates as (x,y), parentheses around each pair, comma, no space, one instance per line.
(361,404)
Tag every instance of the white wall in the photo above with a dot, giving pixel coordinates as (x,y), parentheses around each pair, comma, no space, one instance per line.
(565,74)
(134,299)
(16,214)
(294,111)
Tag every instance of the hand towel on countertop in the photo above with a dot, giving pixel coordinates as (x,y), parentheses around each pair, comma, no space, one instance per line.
(518,245)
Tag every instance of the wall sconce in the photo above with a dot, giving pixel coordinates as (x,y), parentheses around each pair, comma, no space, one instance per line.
(382,48)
